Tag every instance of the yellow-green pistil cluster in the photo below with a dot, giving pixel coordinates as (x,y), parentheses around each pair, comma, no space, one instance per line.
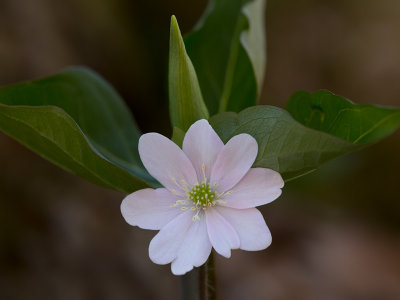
(202,195)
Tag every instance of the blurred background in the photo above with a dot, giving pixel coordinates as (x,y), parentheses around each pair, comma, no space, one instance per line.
(336,232)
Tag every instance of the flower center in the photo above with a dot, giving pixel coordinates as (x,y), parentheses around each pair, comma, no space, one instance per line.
(202,195)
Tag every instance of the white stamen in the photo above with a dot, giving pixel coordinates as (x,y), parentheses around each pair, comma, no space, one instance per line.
(195,218)
(183,184)
(203,169)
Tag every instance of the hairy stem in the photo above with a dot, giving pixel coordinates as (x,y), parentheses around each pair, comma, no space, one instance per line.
(200,283)
(211,278)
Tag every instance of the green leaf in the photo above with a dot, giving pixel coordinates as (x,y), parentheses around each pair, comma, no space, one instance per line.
(177,136)
(76,120)
(356,123)
(284,144)
(186,104)
(227,48)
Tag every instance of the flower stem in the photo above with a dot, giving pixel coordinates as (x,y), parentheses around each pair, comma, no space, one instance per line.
(200,284)
(211,278)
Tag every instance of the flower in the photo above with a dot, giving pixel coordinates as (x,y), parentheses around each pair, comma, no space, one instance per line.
(208,200)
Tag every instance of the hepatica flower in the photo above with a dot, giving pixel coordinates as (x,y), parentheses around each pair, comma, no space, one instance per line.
(208,200)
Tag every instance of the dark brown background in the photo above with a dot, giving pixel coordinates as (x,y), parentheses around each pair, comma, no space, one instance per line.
(336,232)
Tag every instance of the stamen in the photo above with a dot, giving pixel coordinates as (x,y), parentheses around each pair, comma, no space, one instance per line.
(182,184)
(201,195)
(203,169)
(222,194)
(195,218)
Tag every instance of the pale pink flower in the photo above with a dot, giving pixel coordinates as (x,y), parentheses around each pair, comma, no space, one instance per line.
(209,198)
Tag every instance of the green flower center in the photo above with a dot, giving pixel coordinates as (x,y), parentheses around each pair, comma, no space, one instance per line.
(202,194)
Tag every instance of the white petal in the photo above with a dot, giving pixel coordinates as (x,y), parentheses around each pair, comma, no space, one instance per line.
(149,208)
(165,161)
(258,187)
(165,245)
(250,226)
(234,161)
(202,145)
(222,235)
(195,248)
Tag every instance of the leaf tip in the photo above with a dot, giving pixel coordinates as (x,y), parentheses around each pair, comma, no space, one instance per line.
(175,31)
(173,20)
(176,39)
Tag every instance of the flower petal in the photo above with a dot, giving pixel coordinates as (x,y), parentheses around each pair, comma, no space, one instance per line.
(165,245)
(258,187)
(149,208)
(195,248)
(165,161)
(202,145)
(250,226)
(222,235)
(234,161)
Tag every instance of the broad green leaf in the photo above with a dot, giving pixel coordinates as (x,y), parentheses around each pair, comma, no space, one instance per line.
(356,123)
(227,49)
(177,136)
(76,120)
(284,144)
(186,104)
